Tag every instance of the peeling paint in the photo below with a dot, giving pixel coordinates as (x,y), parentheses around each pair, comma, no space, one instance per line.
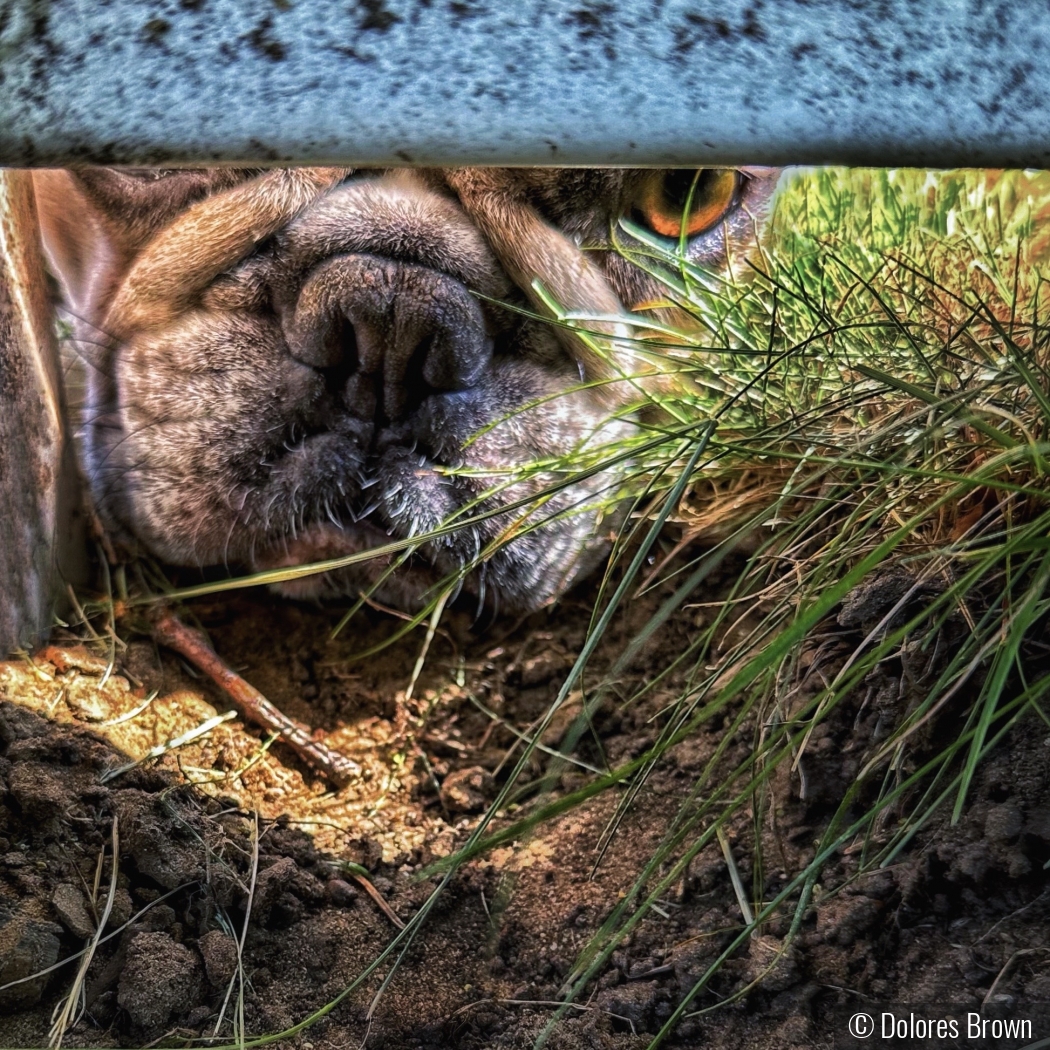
(454,82)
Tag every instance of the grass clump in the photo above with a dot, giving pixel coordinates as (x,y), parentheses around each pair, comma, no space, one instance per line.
(863,422)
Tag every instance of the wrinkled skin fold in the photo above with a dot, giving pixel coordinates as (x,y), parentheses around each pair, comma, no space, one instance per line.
(294,365)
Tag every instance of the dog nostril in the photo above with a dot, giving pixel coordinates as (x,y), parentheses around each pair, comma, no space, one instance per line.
(410,330)
(322,339)
(348,345)
(360,397)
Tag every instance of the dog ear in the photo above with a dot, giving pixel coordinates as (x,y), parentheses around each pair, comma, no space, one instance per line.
(82,251)
(180,259)
(134,248)
(41,541)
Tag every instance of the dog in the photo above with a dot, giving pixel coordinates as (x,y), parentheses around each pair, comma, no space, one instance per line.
(295,365)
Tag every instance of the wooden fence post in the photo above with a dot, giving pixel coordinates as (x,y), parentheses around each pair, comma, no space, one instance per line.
(40,517)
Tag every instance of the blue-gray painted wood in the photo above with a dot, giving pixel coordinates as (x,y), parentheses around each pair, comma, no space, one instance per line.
(925,82)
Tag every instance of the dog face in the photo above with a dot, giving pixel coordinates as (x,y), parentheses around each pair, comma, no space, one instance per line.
(295,365)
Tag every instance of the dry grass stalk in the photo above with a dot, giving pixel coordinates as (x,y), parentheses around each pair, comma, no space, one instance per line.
(69,1010)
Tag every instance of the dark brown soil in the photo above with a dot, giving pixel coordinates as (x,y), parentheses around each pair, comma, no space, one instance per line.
(961,917)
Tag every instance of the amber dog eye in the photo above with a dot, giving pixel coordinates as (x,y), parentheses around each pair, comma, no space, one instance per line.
(687,201)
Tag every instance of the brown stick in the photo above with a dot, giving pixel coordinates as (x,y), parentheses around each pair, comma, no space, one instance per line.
(170,631)
(376,896)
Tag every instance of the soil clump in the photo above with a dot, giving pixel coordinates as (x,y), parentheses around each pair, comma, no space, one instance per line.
(240,895)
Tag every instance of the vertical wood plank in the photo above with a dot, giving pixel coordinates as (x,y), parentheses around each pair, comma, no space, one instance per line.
(40,518)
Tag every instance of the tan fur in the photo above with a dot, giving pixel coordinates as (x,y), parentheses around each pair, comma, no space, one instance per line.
(82,253)
(212,235)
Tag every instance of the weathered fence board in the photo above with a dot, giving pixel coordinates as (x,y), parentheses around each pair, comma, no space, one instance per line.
(449,82)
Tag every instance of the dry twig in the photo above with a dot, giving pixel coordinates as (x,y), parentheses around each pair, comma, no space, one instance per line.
(170,631)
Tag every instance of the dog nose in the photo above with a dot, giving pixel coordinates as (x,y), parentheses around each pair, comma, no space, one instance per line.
(391,332)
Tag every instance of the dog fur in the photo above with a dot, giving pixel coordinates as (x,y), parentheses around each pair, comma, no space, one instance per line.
(294,365)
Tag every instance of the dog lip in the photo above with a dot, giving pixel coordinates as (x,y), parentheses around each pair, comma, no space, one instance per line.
(320,541)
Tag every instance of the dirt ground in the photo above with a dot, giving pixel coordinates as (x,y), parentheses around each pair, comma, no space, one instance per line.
(225,829)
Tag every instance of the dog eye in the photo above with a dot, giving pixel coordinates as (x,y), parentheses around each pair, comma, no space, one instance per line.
(686,200)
